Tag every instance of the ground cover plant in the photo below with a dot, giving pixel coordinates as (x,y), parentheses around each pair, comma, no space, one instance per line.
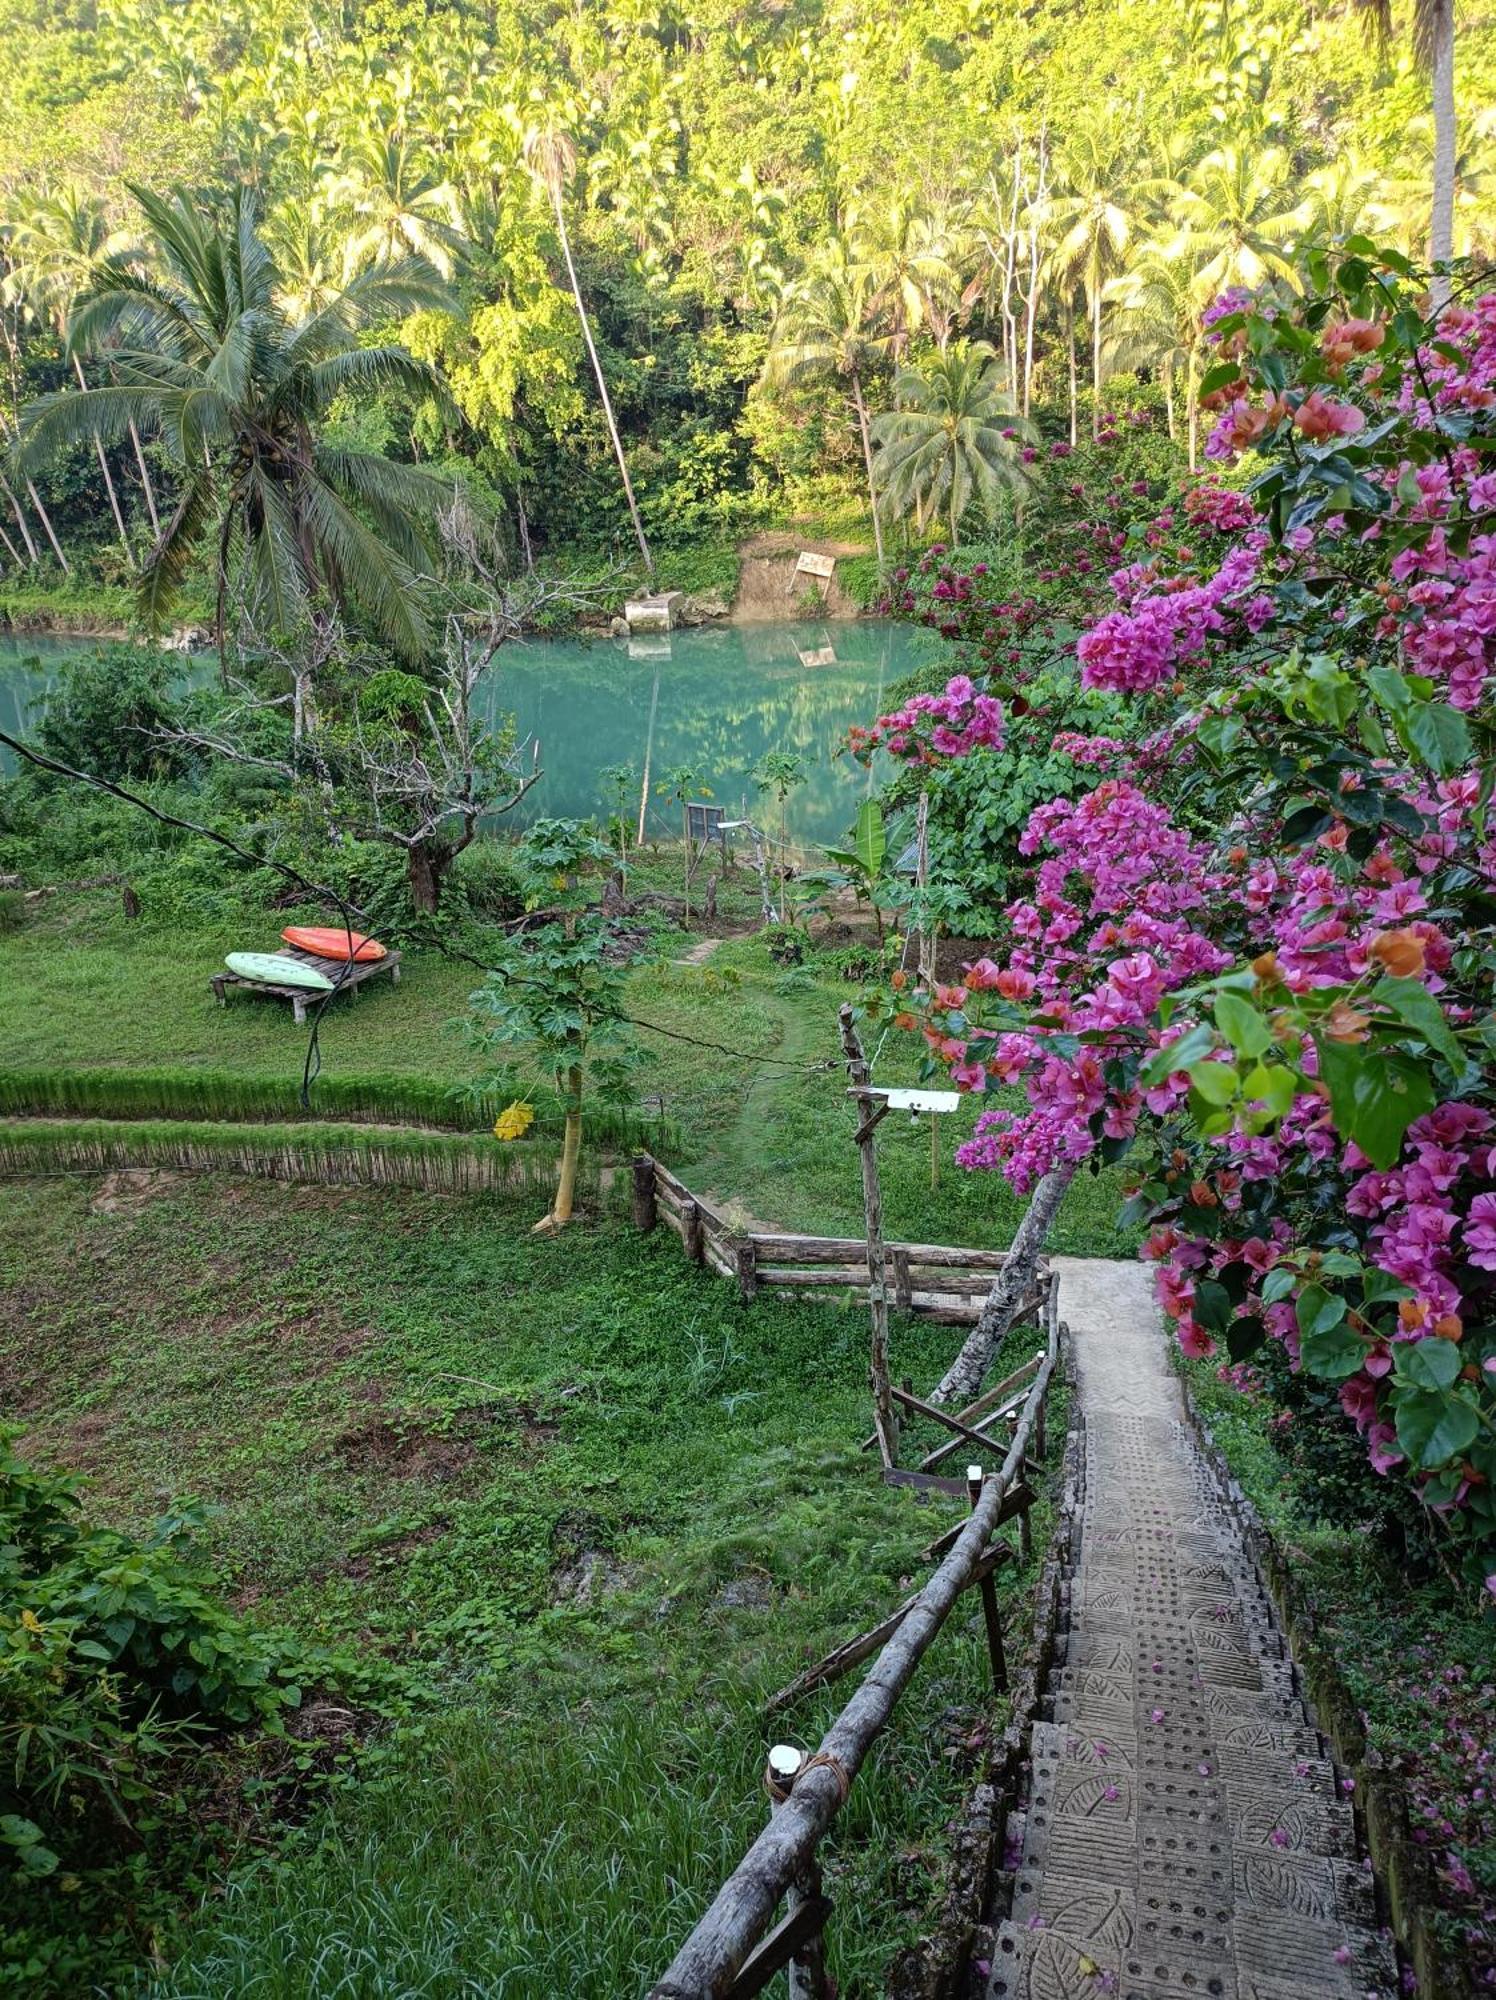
(580,1512)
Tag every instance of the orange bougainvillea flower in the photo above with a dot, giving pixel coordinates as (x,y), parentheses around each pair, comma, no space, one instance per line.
(1399,952)
(1318,418)
(1345,1023)
(1343,339)
(1250,422)
(1266,969)
(1449,1326)
(514,1121)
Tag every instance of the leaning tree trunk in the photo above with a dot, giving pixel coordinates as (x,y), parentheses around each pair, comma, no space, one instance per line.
(962,1381)
(14,552)
(1441,219)
(51,533)
(602,385)
(15,508)
(867,460)
(145,480)
(98,445)
(1096,364)
(1070,349)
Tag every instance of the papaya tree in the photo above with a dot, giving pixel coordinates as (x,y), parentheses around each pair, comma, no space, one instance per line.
(556,995)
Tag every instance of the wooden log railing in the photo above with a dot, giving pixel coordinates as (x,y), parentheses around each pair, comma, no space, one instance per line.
(737,1947)
(939,1281)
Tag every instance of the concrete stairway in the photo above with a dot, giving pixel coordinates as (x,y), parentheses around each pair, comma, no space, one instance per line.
(1185,1834)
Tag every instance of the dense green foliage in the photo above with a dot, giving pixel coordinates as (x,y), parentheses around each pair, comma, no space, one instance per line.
(724,181)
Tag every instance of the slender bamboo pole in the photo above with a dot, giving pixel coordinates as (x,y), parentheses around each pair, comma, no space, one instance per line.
(745,1904)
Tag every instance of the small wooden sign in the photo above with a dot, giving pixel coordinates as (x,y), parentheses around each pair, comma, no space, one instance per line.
(810,564)
(703,822)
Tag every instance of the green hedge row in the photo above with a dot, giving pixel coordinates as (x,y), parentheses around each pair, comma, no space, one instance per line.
(221,1096)
(329,1155)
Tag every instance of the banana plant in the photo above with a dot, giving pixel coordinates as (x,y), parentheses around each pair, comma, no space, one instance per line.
(864,867)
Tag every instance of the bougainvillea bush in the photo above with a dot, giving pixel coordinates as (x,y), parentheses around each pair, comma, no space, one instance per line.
(1255,960)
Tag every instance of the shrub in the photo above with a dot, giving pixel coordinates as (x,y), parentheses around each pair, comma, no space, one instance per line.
(103,714)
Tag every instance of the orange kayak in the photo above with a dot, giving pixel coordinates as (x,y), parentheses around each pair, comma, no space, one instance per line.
(329,943)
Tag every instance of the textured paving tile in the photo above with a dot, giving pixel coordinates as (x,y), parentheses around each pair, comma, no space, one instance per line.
(1185,1836)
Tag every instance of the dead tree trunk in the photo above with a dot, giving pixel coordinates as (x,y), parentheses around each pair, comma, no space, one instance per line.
(964,1377)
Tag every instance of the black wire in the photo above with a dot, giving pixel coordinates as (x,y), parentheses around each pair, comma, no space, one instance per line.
(312,1066)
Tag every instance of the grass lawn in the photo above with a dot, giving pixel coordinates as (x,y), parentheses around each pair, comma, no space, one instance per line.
(743,1059)
(587,1504)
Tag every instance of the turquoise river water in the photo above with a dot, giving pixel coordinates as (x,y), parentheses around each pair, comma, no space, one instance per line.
(716,699)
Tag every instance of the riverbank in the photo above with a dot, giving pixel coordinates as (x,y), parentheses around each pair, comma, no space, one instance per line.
(748,581)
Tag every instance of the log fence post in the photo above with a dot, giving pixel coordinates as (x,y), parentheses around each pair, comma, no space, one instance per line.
(745,1256)
(646,1212)
(902,1290)
(988,1589)
(885,1419)
(807,1969)
(692,1233)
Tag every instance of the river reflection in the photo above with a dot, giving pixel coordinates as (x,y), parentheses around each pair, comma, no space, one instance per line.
(716,699)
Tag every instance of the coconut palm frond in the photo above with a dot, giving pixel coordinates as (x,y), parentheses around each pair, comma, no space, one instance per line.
(166,566)
(366,570)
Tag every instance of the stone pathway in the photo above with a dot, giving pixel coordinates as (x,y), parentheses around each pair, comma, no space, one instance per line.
(1186,1835)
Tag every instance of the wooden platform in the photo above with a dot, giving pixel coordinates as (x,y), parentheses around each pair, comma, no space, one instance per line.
(346,976)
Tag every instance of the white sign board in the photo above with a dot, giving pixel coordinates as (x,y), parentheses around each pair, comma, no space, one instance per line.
(920,1100)
(811,564)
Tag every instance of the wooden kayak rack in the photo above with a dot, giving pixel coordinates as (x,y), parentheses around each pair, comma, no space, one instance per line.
(939,1281)
(344,974)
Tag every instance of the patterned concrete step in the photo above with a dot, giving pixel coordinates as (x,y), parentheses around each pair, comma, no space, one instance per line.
(1185,1837)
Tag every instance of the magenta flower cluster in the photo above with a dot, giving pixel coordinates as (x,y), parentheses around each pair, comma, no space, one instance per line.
(933,726)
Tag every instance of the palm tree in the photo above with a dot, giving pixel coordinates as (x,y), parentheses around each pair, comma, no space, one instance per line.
(1156,321)
(54,248)
(551,157)
(1433,48)
(1237,219)
(906,249)
(399,209)
(1094,215)
(202,351)
(952,438)
(827,325)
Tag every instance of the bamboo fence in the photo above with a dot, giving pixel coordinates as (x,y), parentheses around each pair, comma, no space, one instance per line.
(737,1947)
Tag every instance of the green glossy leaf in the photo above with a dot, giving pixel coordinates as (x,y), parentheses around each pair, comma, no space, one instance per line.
(1427,1364)
(1242,1025)
(1277,1285)
(1375,1094)
(1215,1082)
(1212,1306)
(1433,1425)
(1412,1002)
(1189,1048)
(1272,1085)
(1438,734)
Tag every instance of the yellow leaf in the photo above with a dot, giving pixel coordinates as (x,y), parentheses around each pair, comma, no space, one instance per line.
(514,1121)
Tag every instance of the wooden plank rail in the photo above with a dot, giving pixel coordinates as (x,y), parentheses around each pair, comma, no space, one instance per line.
(940,1281)
(708,1964)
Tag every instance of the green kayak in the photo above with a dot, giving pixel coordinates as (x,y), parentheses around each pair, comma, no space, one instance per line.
(268,968)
